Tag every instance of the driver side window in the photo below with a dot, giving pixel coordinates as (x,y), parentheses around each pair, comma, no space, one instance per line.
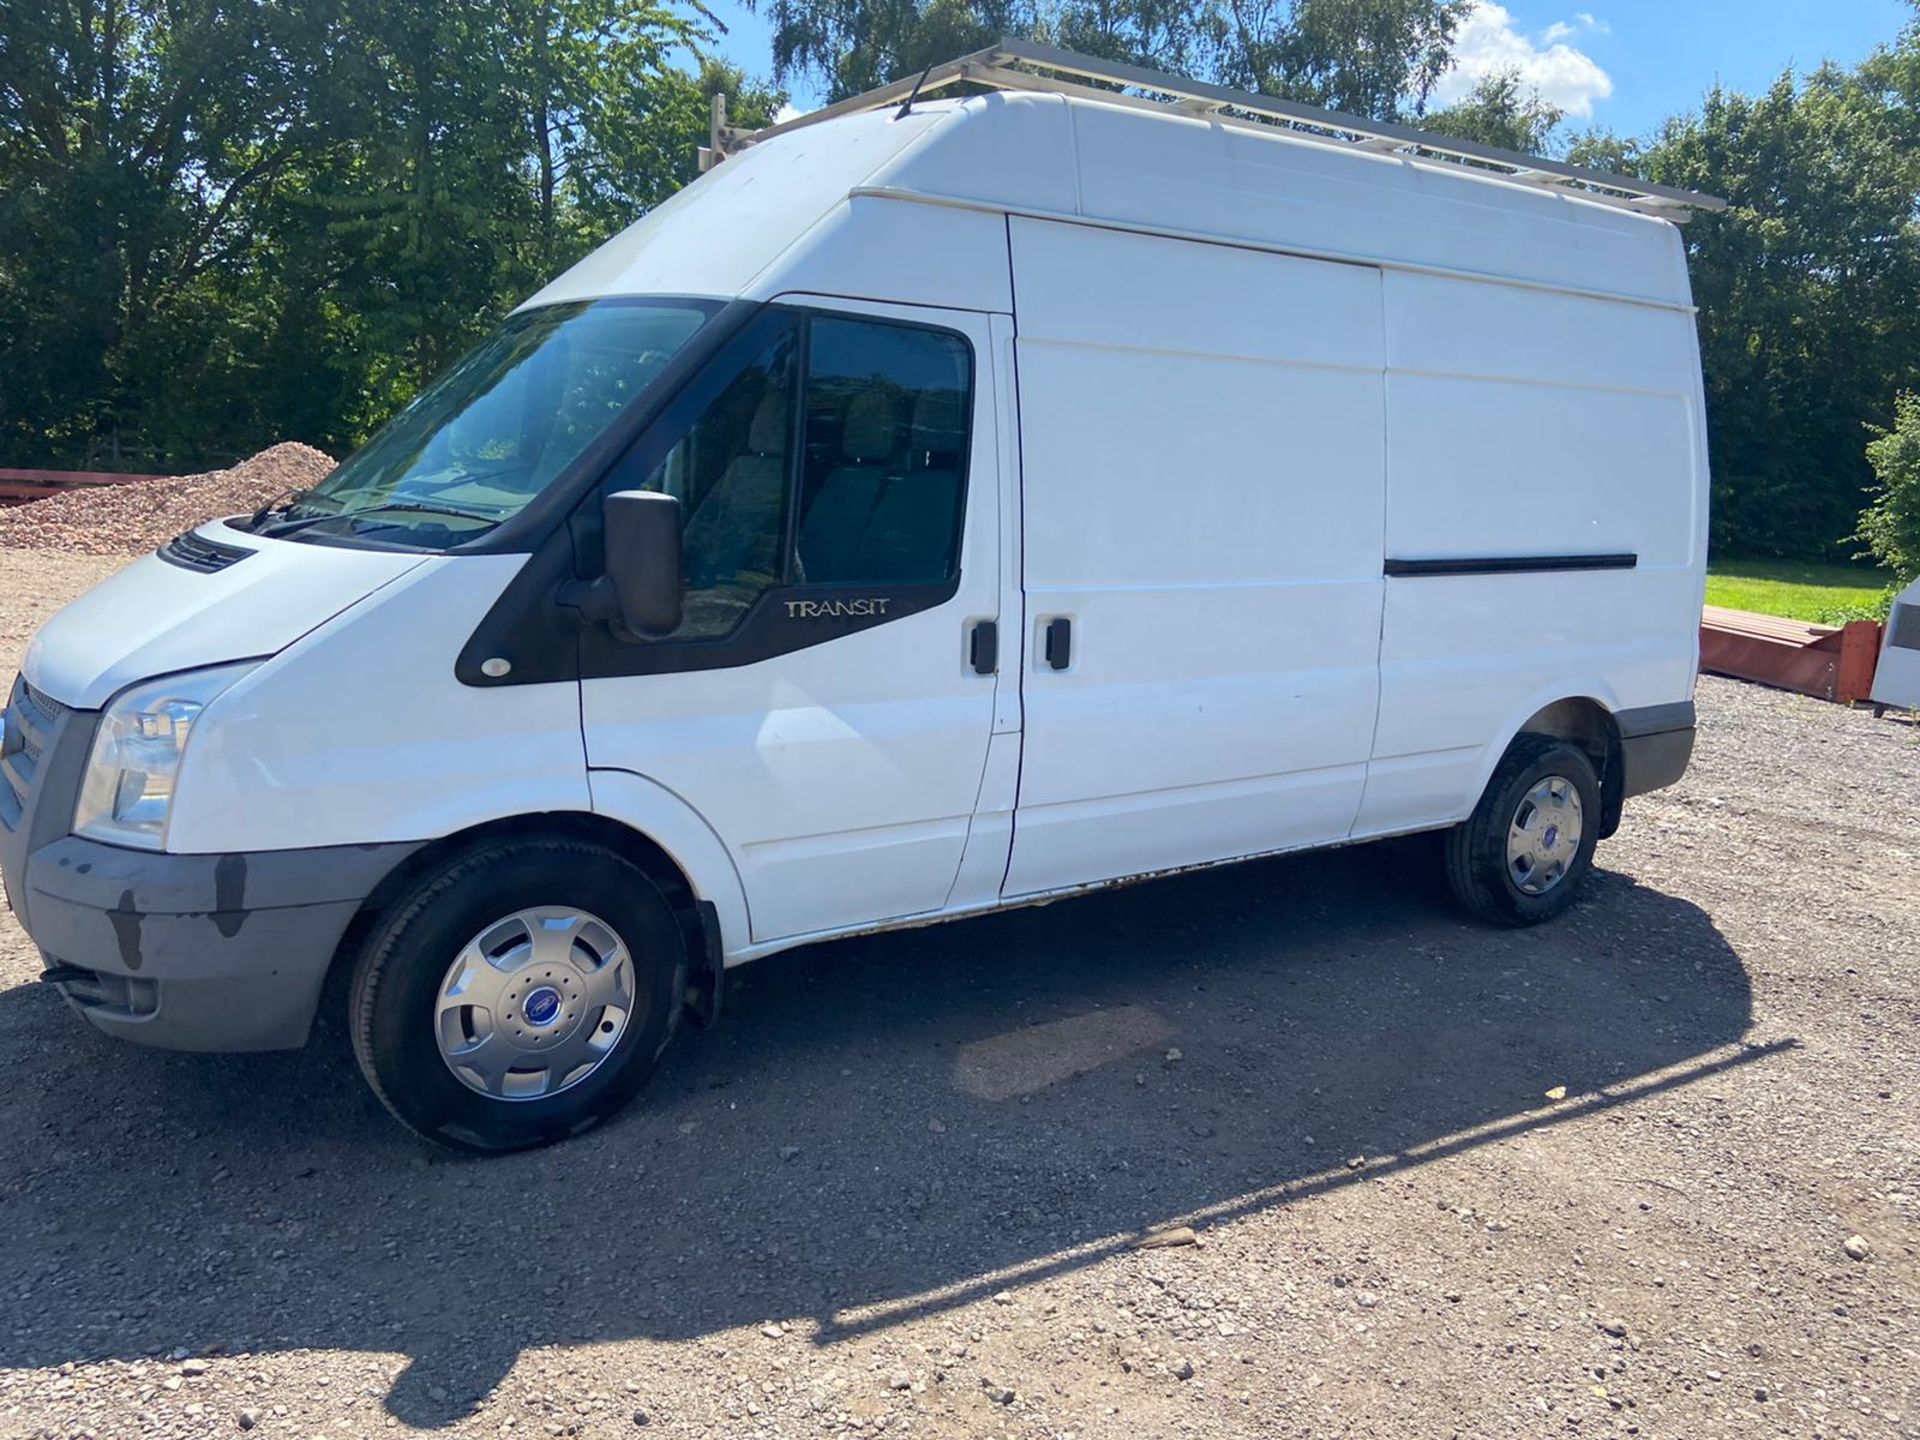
(853,476)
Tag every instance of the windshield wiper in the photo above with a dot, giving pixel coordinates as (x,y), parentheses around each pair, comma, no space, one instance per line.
(281,504)
(419,507)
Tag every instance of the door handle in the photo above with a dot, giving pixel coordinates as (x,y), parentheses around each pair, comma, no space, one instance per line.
(1059,643)
(983,648)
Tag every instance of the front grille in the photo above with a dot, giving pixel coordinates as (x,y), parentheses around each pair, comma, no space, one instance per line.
(16,769)
(197,553)
(50,710)
(30,718)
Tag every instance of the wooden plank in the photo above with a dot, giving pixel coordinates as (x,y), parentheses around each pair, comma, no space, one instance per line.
(1766,661)
(1764,627)
(1826,661)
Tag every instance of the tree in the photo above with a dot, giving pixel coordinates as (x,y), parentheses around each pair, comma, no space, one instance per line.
(1379,58)
(224,222)
(855,45)
(133,134)
(1167,35)
(614,122)
(1890,525)
(1805,286)
(1499,112)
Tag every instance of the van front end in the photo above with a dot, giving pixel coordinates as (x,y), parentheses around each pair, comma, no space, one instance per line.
(221,949)
(257,753)
(187,952)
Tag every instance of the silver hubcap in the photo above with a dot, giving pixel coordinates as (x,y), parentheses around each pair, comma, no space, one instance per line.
(534,1003)
(1544,836)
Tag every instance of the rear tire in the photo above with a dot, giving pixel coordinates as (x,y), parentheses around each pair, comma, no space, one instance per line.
(517,994)
(1512,862)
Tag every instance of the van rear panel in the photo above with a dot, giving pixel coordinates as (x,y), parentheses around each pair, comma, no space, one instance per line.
(1528,426)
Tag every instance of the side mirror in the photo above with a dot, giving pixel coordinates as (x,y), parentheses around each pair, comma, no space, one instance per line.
(643,560)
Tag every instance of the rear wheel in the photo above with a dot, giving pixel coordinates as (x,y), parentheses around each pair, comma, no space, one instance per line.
(1523,854)
(518,994)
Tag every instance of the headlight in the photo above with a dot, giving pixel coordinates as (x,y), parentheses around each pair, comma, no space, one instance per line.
(136,755)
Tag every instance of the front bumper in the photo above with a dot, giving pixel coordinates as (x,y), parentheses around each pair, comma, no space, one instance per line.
(197,952)
(189,952)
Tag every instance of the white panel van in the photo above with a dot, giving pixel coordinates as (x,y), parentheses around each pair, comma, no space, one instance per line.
(942,505)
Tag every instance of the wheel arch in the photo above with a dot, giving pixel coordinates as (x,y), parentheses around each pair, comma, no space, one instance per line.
(703,921)
(1589,724)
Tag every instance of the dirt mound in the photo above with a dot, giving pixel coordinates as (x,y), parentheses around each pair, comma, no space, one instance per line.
(130,519)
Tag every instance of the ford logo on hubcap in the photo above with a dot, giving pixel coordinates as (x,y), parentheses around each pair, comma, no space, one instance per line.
(542,1005)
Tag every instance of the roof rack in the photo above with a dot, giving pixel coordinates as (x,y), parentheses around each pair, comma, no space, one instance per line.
(1024,65)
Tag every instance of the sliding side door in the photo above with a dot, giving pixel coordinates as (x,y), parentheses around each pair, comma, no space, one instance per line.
(1203,474)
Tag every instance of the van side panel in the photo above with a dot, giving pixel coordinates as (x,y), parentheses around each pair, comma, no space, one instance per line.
(714,236)
(872,248)
(358,733)
(1527,424)
(1273,188)
(1203,475)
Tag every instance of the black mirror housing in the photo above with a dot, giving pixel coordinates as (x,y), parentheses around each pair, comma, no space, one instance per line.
(643,559)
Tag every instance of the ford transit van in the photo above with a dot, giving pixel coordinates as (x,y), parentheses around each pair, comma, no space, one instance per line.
(944,504)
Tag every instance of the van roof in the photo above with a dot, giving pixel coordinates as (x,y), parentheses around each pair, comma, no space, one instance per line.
(830,187)
(1020,65)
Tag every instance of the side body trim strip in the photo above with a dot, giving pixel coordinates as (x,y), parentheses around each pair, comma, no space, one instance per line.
(1506,564)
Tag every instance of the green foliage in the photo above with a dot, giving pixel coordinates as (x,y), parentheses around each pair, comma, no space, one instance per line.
(132,135)
(1890,525)
(1379,58)
(855,45)
(1500,113)
(225,222)
(1805,285)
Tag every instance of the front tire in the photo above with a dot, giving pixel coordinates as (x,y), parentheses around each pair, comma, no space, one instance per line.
(518,993)
(1523,854)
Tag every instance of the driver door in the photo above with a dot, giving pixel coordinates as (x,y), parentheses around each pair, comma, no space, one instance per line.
(838,480)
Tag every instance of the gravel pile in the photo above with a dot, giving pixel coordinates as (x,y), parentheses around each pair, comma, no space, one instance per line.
(132,519)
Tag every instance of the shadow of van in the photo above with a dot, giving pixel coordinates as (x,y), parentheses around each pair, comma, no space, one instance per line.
(880,1128)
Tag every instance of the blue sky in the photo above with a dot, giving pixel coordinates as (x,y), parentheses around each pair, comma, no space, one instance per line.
(1625,64)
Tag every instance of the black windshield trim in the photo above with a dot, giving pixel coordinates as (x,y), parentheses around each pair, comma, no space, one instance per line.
(523,533)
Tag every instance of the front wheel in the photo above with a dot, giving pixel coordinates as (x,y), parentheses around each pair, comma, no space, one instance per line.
(518,993)
(1522,855)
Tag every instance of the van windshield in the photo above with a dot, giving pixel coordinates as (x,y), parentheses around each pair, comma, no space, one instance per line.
(479,443)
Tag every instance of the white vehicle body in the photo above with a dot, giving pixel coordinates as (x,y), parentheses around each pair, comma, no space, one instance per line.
(1896,679)
(1297,481)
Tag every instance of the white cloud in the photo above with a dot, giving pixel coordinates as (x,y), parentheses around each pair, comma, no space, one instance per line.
(786,112)
(1583,21)
(1488,42)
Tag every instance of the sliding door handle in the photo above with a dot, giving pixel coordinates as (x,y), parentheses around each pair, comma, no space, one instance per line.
(1059,643)
(983,648)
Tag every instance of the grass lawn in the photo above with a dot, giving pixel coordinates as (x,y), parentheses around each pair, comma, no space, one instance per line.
(1818,594)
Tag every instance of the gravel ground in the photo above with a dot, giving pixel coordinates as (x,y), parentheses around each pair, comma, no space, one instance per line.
(900,1190)
(132,519)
